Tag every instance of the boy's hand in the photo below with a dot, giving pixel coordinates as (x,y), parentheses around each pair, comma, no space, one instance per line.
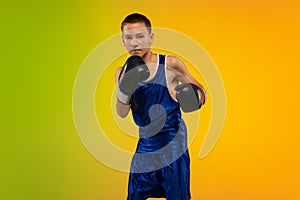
(134,71)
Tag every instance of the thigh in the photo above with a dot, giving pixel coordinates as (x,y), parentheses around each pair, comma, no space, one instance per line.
(144,185)
(176,179)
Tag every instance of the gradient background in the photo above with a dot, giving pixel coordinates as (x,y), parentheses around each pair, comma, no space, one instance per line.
(255,45)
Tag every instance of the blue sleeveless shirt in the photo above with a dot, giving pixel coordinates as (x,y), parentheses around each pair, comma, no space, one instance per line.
(157,114)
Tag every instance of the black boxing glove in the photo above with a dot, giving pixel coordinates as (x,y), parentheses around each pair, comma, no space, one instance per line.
(134,71)
(189,97)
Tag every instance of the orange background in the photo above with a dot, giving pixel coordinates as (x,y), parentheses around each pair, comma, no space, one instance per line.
(255,45)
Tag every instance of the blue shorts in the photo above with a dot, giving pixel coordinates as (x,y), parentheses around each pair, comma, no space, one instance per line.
(171,182)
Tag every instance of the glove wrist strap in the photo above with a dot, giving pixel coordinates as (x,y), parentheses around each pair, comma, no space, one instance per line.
(123,98)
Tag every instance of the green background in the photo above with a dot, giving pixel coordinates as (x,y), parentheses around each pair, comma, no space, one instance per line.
(255,45)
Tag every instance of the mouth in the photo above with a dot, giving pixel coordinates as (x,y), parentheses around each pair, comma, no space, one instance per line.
(135,51)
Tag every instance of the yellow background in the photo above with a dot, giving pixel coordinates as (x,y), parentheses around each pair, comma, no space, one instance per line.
(255,45)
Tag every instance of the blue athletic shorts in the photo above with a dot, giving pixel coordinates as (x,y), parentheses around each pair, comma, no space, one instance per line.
(171,182)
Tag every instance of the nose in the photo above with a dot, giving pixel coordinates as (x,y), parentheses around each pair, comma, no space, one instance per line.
(134,42)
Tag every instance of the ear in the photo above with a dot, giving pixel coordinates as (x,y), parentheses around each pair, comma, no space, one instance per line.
(123,40)
(151,38)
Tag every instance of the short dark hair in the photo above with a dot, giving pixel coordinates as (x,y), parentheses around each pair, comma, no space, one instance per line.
(136,17)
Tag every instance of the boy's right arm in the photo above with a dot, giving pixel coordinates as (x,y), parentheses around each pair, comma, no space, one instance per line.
(127,79)
(122,109)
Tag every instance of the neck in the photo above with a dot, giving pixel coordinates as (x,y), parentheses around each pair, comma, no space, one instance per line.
(149,57)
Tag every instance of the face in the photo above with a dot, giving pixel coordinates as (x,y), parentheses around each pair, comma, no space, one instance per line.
(136,38)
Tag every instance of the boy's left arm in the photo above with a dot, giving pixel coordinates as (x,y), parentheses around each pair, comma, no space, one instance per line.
(183,76)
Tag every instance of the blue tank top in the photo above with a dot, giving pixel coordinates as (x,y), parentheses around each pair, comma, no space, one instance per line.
(157,114)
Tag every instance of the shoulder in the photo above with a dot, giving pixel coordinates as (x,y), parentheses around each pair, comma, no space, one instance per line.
(175,63)
(117,74)
(118,70)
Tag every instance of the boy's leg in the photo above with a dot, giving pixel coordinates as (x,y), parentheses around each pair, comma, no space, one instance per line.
(144,185)
(176,179)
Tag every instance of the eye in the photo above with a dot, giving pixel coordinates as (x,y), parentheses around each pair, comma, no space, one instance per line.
(140,36)
(128,37)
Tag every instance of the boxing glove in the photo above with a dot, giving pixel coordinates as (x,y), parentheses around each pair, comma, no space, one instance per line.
(189,97)
(134,71)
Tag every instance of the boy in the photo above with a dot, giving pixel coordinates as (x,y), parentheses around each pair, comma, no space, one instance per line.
(148,85)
